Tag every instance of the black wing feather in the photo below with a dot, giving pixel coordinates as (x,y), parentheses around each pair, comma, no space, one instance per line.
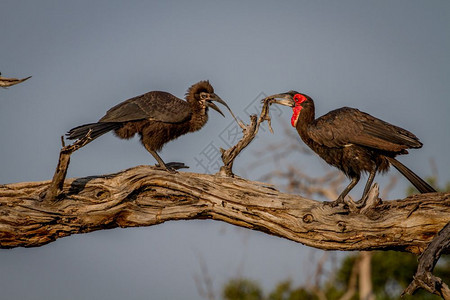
(156,105)
(347,126)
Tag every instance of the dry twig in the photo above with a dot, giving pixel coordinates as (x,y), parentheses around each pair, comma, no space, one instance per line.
(250,131)
(427,260)
(7,82)
(55,188)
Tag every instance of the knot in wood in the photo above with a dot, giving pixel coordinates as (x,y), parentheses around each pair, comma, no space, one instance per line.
(341,225)
(101,194)
(308,218)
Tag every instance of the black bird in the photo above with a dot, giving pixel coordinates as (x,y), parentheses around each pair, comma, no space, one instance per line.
(352,141)
(158,117)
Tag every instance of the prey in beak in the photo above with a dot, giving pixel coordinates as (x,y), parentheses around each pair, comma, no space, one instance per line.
(286,99)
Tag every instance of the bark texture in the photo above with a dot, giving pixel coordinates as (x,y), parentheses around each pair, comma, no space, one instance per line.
(7,82)
(144,196)
(427,261)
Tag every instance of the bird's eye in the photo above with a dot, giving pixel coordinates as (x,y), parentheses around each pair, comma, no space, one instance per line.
(299,98)
(203,95)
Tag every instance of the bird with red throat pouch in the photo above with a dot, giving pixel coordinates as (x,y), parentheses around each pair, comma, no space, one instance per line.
(352,141)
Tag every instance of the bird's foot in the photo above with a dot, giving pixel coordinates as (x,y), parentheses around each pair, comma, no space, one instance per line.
(172,167)
(361,203)
(347,204)
(335,203)
(370,199)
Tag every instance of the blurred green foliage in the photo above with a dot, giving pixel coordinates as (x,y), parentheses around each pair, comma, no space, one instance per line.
(391,273)
(242,289)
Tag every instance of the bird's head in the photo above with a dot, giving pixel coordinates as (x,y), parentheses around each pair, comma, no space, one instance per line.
(202,92)
(293,99)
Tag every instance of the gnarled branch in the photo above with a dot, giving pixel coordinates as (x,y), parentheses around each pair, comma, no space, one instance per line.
(250,131)
(7,82)
(144,196)
(428,259)
(55,187)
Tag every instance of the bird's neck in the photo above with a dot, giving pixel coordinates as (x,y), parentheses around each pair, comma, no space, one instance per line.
(305,118)
(199,118)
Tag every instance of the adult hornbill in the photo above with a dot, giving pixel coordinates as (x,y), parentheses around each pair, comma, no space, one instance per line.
(158,117)
(352,141)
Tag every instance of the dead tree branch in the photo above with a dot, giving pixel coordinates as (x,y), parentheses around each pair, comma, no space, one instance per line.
(55,188)
(7,82)
(144,196)
(424,277)
(250,131)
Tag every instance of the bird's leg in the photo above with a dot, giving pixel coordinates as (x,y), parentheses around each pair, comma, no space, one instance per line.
(344,193)
(161,163)
(171,167)
(362,202)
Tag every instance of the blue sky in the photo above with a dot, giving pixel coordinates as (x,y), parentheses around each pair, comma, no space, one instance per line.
(388,58)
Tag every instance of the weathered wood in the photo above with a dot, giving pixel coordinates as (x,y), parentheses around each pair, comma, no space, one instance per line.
(7,82)
(249,133)
(428,259)
(145,196)
(56,185)
(229,155)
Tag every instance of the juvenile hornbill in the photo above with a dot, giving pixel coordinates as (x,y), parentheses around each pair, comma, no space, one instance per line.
(158,117)
(352,141)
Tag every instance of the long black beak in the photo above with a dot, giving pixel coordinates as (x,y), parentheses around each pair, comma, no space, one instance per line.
(283,99)
(214,97)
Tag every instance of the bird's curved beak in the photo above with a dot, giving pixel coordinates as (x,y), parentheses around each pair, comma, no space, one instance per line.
(283,99)
(214,97)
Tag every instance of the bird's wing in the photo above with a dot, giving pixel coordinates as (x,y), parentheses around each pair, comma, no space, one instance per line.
(346,126)
(156,105)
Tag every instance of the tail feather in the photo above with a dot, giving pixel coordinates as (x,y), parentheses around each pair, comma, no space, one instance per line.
(418,182)
(98,129)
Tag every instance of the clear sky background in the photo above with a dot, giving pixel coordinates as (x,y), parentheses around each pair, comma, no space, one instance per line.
(388,58)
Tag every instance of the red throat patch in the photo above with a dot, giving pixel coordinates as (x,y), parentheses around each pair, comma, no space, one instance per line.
(296,112)
(298,98)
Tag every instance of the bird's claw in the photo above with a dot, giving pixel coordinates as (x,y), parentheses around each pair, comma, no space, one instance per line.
(361,203)
(172,167)
(347,204)
(336,202)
